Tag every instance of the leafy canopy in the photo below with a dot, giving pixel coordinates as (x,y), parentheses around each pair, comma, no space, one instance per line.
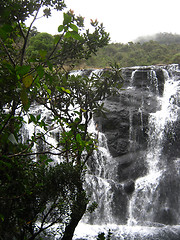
(41,183)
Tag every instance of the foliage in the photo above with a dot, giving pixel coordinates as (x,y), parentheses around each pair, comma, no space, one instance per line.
(19,11)
(41,41)
(36,192)
(164,50)
(145,53)
(176,58)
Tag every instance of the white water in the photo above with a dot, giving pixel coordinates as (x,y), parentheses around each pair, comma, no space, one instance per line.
(29,130)
(124,232)
(145,196)
(141,205)
(100,165)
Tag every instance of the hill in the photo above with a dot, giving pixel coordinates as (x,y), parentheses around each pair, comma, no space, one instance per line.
(162,48)
(163,38)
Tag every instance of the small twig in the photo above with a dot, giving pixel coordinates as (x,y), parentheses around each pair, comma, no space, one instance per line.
(20,28)
(55,47)
(35,153)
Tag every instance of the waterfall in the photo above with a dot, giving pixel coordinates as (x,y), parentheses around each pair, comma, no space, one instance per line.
(97,177)
(134,176)
(153,80)
(144,200)
(152,210)
(51,137)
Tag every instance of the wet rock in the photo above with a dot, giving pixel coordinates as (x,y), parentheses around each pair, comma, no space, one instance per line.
(160,77)
(131,166)
(126,127)
(129,186)
(172,141)
(166,216)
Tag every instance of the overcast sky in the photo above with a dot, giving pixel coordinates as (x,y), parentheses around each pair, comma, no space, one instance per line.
(125,20)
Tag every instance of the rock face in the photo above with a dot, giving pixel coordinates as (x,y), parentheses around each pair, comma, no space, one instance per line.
(126,122)
(126,127)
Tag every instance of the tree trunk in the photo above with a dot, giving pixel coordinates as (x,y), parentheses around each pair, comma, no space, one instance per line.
(78,211)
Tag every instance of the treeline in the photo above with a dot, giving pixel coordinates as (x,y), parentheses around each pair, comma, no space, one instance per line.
(162,48)
(133,54)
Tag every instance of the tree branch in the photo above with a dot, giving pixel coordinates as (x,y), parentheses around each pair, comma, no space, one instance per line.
(35,153)
(27,35)
(7,52)
(55,47)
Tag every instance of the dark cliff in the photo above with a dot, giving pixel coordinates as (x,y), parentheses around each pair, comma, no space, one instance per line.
(126,121)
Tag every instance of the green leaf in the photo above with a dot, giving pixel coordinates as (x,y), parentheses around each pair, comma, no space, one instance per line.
(45,86)
(75,35)
(47,12)
(27,80)
(32,118)
(78,138)
(60,28)
(56,39)
(59,88)
(37,83)
(77,120)
(42,124)
(40,71)
(50,65)
(68,34)
(47,89)
(67,19)
(66,90)
(83,110)
(74,27)
(8,165)
(3,34)
(38,117)
(24,99)
(39,184)
(22,70)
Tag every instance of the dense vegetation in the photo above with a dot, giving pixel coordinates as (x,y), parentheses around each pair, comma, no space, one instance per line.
(161,51)
(162,48)
(163,37)
(37,192)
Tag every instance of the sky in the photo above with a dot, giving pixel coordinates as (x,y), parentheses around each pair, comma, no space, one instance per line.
(125,20)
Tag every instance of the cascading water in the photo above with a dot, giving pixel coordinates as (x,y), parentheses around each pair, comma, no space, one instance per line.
(144,200)
(51,137)
(154,205)
(100,165)
(134,176)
